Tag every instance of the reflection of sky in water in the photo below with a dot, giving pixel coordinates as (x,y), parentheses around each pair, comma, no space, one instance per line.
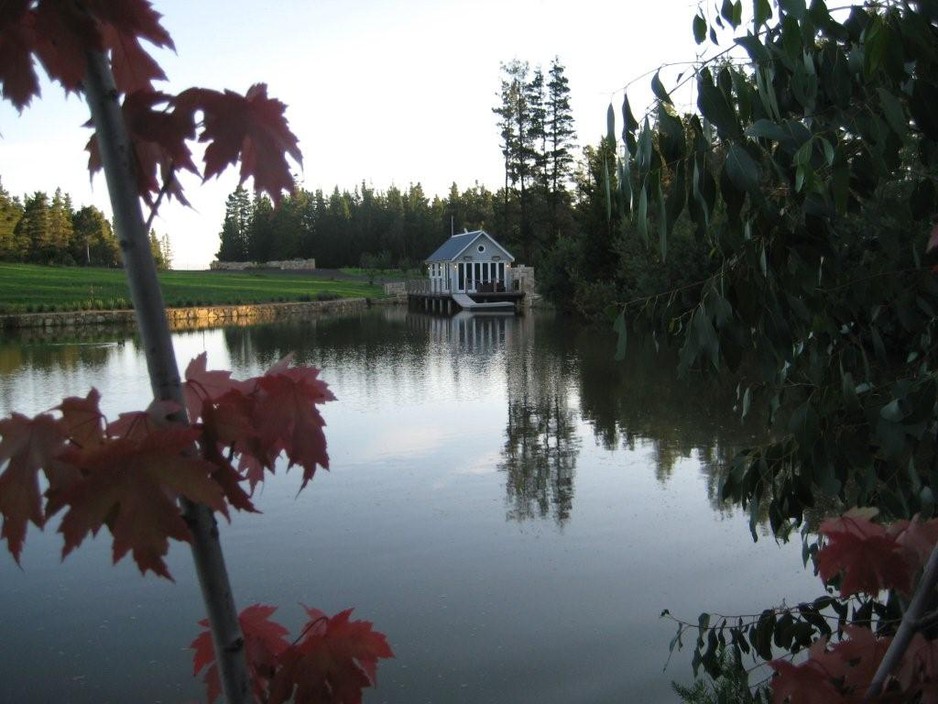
(410,524)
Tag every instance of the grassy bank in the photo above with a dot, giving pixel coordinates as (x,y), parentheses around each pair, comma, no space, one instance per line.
(27,288)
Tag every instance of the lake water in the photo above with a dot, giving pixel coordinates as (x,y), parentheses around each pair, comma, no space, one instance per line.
(510,506)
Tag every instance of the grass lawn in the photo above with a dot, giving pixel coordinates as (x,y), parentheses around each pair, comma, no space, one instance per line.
(28,288)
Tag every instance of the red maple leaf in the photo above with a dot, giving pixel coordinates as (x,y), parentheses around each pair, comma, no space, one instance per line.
(17,39)
(221,426)
(811,681)
(869,558)
(333,662)
(806,683)
(918,671)
(159,135)
(27,446)
(137,425)
(918,536)
(131,485)
(264,640)
(286,415)
(65,33)
(203,386)
(859,656)
(83,419)
(250,128)
(122,25)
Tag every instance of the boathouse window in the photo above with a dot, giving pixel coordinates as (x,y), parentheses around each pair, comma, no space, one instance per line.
(481,248)
(462,277)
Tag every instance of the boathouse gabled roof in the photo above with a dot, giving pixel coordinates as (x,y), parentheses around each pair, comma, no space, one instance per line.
(456,245)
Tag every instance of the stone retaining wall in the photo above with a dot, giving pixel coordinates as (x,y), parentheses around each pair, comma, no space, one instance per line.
(285,265)
(193,318)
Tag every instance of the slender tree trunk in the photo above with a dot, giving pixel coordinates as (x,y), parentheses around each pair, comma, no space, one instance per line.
(922,600)
(119,170)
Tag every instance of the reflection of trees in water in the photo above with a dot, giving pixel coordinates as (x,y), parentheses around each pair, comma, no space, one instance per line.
(539,458)
(376,345)
(56,357)
(541,441)
(641,400)
(51,362)
(547,361)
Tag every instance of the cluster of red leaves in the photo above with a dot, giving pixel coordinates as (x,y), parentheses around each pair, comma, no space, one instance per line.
(59,34)
(868,558)
(840,673)
(332,661)
(128,475)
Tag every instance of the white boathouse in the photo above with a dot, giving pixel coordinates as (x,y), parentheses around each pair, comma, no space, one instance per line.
(471,269)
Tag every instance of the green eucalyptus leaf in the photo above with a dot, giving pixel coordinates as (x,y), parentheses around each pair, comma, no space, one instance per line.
(742,169)
(641,214)
(795,8)
(657,87)
(761,13)
(767,129)
(716,108)
(892,109)
(629,126)
(700,29)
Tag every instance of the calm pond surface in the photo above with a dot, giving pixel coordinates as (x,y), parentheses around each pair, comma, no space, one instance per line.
(510,506)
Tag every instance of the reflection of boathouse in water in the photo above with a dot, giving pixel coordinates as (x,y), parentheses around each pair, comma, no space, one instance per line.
(470,332)
(470,271)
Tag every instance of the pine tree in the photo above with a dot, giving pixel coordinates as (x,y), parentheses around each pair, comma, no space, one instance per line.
(56,240)
(11,210)
(558,129)
(30,231)
(559,135)
(239,212)
(520,132)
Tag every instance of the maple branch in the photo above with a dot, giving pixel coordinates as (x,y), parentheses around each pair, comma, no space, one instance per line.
(924,595)
(167,182)
(309,626)
(117,159)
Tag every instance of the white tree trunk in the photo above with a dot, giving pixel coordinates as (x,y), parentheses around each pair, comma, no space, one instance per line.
(119,170)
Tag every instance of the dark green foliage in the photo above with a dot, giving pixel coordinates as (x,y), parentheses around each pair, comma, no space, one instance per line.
(815,192)
(44,231)
(536,127)
(338,230)
(810,178)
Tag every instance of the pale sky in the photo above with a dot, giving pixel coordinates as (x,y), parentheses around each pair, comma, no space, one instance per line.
(392,93)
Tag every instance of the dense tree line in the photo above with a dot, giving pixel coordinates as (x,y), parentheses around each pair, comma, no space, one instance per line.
(538,203)
(41,230)
(554,212)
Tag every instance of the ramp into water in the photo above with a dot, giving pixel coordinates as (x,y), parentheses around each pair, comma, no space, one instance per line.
(467,303)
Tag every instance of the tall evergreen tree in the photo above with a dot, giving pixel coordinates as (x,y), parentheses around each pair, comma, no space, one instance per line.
(11,210)
(235,229)
(559,134)
(519,134)
(29,233)
(56,240)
